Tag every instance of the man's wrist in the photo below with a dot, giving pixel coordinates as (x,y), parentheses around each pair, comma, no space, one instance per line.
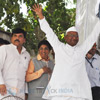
(41,17)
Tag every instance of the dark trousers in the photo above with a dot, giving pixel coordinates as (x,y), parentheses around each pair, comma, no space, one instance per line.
(96,93)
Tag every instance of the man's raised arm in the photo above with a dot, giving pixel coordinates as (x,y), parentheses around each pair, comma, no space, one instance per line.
(45,27)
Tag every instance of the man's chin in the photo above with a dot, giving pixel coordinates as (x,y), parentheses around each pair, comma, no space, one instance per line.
(16,44)
(73,44)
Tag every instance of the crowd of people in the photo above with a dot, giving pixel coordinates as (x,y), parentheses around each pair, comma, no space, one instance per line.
(75,72)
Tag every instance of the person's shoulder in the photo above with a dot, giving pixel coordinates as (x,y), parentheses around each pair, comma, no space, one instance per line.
(34,59)
(5,46)
(27,53)
(97,56)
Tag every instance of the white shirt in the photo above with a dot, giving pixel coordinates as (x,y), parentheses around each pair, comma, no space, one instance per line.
(13,67)
(94,73)
(97,7)
(69,78)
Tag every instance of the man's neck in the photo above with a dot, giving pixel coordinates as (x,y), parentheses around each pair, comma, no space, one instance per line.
(19,49)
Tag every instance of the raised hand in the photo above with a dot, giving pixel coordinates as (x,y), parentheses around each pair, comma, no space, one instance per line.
(38,10)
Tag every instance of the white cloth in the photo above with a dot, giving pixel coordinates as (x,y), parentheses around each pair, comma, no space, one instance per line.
(69,76)
(13,67)
(94,73)
(85,18)
(97,7)
(26,88)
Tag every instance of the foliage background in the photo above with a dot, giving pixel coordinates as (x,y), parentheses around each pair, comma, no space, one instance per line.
(55,11)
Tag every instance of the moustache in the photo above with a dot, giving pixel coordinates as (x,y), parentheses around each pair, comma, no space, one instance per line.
(17,40)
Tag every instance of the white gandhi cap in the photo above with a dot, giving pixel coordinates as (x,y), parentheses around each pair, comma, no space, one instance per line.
(73,28)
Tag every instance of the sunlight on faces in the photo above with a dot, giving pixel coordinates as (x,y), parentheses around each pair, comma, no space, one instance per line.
(72,38)
(19,37)
(44,51)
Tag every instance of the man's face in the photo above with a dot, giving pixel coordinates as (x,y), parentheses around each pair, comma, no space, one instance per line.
(93,50)
(18,39)
(44,51)
(72,38)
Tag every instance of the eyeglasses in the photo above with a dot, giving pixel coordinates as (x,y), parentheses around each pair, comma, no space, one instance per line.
(72,35)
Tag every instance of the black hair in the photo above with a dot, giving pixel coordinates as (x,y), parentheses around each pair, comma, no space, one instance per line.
(2,41)
(45,42)
(19,30)
(6,42)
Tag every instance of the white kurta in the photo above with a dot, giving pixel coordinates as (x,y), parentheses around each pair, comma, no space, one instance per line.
(13,67)
(69,77)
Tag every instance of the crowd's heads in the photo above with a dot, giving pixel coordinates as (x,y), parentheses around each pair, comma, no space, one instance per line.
(44,42)
(19,30)
(71,36)
(3,42)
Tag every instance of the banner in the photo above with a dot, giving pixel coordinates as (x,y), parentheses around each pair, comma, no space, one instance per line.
(86,17)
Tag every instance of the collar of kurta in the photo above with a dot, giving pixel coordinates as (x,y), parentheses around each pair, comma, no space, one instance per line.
(71,47)
(40,58)
(23,49)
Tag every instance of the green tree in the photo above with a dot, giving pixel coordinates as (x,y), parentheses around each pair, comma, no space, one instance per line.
(58,16)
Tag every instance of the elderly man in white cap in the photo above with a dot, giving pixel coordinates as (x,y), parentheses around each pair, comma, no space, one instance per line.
(69,80)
